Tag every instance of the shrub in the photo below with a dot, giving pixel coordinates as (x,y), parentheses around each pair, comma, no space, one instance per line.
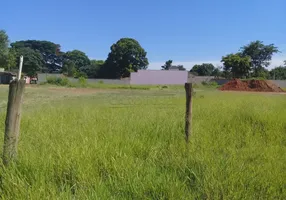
(62,81)
(210,84)
(82,81)
(80,74)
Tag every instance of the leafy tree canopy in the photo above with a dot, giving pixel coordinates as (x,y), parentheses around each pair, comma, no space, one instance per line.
(217,72)
(69,68)
(205,69)
(92,70)
(4,48)
(181,67)
(236,65)
(167,65)
(45,47)
(33,60)
(50,51)
(278,73)
(260,54)
(11,62)
(126,56)
(79,58)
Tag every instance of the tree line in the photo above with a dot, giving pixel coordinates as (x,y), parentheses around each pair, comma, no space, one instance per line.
(251,61)
(126,56)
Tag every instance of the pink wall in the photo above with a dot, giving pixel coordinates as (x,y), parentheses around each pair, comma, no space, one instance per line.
(159,77)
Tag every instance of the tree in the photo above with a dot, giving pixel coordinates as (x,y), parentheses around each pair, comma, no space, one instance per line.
(260,55)
(167,65)
(4,48)
(69,68)
(33,60)
(126,55)
(50,51)
(92,70)
(11,62)
(278,73)
(79,58)
(43,46)
(216,72)
(236,66)
(205,69)
(181,68)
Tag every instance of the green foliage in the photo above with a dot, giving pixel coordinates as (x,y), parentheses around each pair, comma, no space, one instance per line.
(125,54)
(69,68)
(82,81)
(79,58)
(45,47)
(236,66)
(11,60)
(181,67)
(60,81)
(50,51)
(260,55)
(4,50)
(210,84)
(7,55)
(80,74)
(262,73)
(205,69)
(278,73)
(167,65)
(92,70)
(217,72)
(33,60)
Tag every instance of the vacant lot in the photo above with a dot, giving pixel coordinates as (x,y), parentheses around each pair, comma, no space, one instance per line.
(127,144)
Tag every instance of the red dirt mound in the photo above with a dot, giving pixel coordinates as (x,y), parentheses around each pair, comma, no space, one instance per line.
(251,85)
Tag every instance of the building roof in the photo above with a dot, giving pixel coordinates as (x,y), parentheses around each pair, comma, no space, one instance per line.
(8,73)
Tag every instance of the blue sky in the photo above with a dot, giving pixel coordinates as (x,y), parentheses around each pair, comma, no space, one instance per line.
(186,31)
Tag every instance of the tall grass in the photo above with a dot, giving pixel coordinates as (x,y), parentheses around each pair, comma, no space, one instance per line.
(130,146)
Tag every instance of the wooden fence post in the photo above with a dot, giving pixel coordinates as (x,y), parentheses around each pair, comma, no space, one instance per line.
(188,125)
(13,117)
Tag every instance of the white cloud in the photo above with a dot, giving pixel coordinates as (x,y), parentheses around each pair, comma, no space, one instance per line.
(276,61)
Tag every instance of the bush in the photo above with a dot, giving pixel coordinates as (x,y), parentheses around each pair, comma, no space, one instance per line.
(210,84)
(82,81)
(80,74)
(62,81)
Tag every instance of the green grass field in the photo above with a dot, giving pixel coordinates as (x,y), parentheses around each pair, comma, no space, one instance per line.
(129,144)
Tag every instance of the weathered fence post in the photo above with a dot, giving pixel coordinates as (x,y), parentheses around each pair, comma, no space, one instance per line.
(188,125)
(13,117)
